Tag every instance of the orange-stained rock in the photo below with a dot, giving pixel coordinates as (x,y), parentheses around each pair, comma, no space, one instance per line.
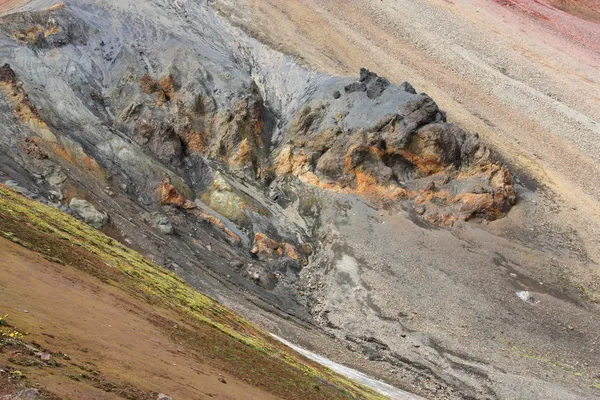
(217,223)
(441,219)
(295,254)
(307,249)
(290,162)
(163,88)
(168,194)
(47,144)
(394,153)
(264,245)
(244,154)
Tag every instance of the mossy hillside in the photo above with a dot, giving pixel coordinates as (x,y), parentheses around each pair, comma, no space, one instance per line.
(128,270)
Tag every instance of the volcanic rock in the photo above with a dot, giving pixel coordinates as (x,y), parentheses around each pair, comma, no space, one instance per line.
(88,213)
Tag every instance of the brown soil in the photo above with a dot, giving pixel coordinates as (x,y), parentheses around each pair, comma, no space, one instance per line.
(108,340)
(135,349)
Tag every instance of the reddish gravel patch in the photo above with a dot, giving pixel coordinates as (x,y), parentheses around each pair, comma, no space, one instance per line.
(578,20)
(524,7)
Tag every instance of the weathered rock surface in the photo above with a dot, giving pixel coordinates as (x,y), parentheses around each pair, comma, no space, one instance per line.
(163,224)
(396,147)
(88,213)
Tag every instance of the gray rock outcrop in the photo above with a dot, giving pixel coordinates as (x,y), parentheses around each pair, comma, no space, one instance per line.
(88,213)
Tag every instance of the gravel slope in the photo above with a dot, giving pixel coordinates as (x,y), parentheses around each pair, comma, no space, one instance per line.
(528,88)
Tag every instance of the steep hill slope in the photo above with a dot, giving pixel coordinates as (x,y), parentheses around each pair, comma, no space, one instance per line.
(222,141)
(90,318)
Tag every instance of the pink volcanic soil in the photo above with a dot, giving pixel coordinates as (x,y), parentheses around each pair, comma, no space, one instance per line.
(578,20)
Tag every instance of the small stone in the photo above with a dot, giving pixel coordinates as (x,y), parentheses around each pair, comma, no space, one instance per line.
(407,87)
(163,224)
(45,356)
(420,210)
(162,396)
(526,296)
(222,380)
(55,177)
(56,195)
(337,94)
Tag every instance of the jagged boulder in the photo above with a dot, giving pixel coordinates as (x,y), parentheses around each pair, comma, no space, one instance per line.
(387,142)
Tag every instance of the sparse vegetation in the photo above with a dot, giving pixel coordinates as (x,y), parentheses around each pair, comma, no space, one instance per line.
(546,359)
(243,349)
(8,332)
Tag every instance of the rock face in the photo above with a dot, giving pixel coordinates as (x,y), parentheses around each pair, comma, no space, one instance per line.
(135,117)
(386,142)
